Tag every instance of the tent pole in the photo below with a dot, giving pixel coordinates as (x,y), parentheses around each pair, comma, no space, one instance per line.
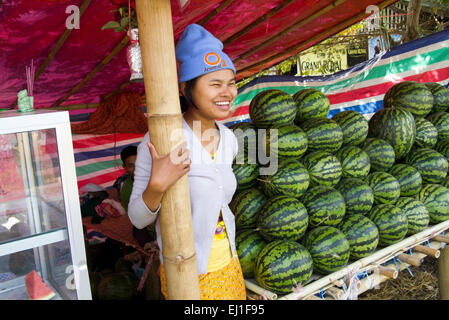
(443,273)
(165,128)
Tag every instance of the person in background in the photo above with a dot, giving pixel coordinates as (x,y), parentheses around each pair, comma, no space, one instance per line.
(124,186)
(208,88)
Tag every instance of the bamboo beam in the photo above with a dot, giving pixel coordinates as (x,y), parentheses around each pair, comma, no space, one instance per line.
(290,51)
(57,47)
(443,273)
(441,238)
(164,118)
(261,19)
(412,260)
(213,13)
(428,251)
(295,26)
(97,68)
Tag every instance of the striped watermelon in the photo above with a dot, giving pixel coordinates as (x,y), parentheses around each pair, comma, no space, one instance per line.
(325,206)
(323,167)
(323,134)
(354,162)
(436,199)
(290,140)
(359,197)
(431,164)
(248,245)
(282,265)
(291,178)
(311,103)
(272,107)
(246,205)
(282,218)
(391,222)
(440,96)
(396,126)
(408,177)
(426,133)
(440,120)
(386,188)
(445,182)
(353,125)
(381,154)
(411,95)
(361,233)
(416,213)
(328,247)
(246,175)
(442,146)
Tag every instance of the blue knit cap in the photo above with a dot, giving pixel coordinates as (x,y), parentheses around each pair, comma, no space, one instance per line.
(199,52)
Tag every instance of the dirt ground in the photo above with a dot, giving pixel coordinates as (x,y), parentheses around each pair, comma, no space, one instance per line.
(422,286)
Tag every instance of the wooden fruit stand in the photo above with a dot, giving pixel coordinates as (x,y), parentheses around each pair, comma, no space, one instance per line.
(367,273)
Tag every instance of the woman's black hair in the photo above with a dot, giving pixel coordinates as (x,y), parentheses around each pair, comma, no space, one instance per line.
(187,99)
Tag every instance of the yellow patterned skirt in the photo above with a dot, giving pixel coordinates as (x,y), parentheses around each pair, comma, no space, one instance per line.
(224,284)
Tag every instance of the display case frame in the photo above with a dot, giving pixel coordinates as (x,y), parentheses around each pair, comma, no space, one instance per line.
(23,124)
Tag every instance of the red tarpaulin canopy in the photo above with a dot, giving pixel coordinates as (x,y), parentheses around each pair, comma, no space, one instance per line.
(256,33)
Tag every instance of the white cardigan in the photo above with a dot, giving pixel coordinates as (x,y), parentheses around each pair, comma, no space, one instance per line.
(211,185)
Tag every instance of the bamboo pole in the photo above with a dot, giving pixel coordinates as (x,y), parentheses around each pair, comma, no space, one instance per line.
(260,291)
(376,257)
(412,260)
(222,6)
(97,68)
(441,238)
(388,272)
(443,273)
(164,118)
(295,26)
(428,251)
(261,19)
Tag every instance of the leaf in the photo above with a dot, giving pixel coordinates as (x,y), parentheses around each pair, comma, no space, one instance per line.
(111,25)
(124,21)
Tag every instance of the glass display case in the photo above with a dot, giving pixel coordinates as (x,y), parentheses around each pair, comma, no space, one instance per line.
(42,245)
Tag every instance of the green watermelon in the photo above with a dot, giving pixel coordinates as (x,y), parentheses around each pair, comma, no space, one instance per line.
(323,167)
(440,96)
(246,134)
(386,188)
(291,178)
(426,133)
(353,125)
(282,217)
(445,182)
(328,247)
(361,233)
(248,245)
(441,122)
(391,222)
(272,107)
(323,134)
(396,126)
(282,265)
(381,154)
(442,146)
(354,162)
(246,205)
(416,213)
(436,199)
(325,206)
(431,164)
(408,177)
(118,286)
(289,141)
(359,197)
(411,95)
(246,175)
(311,103)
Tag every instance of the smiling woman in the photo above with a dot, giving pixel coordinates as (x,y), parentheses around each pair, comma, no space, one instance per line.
(208,89)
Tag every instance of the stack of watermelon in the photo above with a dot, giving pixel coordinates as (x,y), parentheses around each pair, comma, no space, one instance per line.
(343,185)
